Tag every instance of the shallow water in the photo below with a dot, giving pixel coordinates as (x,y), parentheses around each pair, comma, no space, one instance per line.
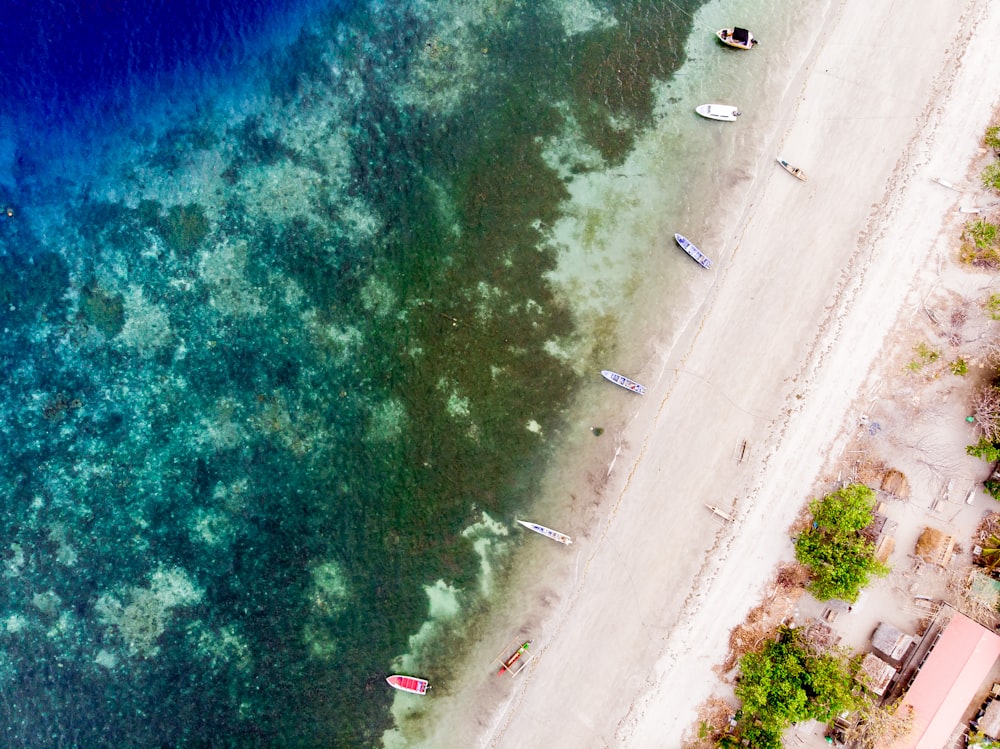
(294,305)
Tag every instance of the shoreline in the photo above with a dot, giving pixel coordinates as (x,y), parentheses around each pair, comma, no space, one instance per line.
(625,657)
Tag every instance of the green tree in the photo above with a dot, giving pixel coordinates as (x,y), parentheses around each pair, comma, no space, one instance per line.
(840,559)
(978,740)
(990,452)
(991,552)
(984,450)
(787,682)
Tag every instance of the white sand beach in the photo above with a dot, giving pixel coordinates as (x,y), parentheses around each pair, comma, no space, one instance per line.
(629,622)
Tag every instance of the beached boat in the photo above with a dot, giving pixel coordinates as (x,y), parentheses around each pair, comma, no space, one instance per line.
(723,112)
(506,666)
(793,170)
(623,381)
(693,251)
(946,183)
(737,37)
(721,513)
(547,532)
(408,684)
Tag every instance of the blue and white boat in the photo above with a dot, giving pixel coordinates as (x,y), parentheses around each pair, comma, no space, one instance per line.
(547,532)
(693,251)
(623,381)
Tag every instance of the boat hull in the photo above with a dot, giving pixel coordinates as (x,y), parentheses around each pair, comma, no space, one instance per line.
(506,667)
(720,112)
(792,170)
(731,38)
(547,532)
(622,381)
(688,247)
(409,684)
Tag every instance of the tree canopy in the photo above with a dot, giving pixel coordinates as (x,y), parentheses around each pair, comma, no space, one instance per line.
(786,682)
(840,559)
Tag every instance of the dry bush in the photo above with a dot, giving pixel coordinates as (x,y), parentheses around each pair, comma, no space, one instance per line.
(991,353)
(869,470)
(713,723)
(820,637)
(986,411)
(989,526)
(802,521)
(791,575)
(882,726)
(966,601)
(760,625)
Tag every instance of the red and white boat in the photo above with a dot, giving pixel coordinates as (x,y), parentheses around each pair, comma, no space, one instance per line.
(507,664)
(408,684)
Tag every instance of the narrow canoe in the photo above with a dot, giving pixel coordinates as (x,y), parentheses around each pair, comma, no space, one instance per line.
(547,532)
(690,249)
(793,170)
(514,658)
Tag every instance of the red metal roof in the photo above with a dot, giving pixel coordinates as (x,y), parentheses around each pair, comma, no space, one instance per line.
(948,681)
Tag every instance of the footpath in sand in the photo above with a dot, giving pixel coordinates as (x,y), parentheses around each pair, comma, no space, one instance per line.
(817,275)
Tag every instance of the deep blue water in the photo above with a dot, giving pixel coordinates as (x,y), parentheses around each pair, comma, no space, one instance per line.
(273,346)
(59,57)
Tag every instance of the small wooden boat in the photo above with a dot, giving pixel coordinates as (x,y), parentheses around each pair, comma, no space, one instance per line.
(737,37)
(721,513)
(723,112)
(408,684)
(514,658)
(793,170)
(623,381)
(946,183)
(547,532)
(693,251)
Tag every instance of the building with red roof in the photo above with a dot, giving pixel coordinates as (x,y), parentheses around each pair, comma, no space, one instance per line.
(947,681)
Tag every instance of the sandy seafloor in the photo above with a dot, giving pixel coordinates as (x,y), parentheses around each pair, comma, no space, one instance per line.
(296,322)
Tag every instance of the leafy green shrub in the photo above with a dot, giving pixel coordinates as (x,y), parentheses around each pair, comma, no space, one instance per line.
(980,245)
(925,355)
(978,740)
(990,452)
(982,233)
(991,176)
(840,559)
(993,306)
(959,367)
(984,450)
(992,137)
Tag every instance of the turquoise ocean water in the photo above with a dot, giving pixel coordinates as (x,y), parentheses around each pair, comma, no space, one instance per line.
(285,334)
